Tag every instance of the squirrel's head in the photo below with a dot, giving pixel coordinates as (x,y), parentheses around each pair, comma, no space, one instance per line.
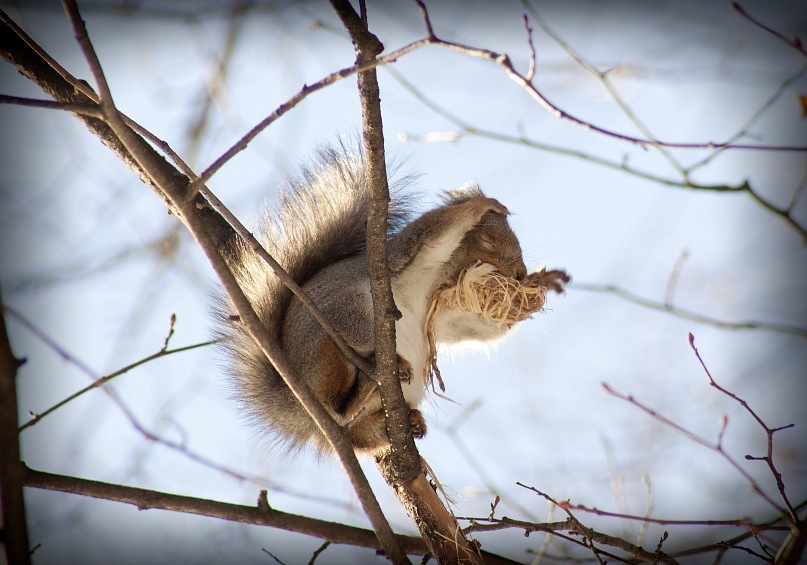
(491,241)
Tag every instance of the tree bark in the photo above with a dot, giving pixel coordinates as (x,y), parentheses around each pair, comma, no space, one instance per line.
(14,533)
(401,466)
(208,228)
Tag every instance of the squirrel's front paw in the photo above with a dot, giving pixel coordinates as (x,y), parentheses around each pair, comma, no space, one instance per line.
(417,423)
(405,370)
(556,279)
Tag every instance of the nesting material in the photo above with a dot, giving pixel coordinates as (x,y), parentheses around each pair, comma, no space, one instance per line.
(494,297)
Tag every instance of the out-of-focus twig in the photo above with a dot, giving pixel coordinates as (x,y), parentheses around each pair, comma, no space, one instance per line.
(686,314)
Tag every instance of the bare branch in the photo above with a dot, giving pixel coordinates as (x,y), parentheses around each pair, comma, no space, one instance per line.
(531,70)
(98,382)
(740,522)
(216,80)
(795,43)
(401,465)
(713,446)
(307,89)
(688,315)
(406,459)
(594,536)
(768,457)
(83,109)
(503,60)
(12,504)
(187,211)
(521,139)
(261,514)
(603,77)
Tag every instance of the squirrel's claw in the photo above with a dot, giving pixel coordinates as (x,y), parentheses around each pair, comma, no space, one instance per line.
(417,423)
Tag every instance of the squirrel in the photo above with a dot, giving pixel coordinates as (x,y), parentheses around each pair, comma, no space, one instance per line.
(318,237)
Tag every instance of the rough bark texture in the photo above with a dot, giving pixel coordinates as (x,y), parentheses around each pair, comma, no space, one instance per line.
(14,533)
(401,465)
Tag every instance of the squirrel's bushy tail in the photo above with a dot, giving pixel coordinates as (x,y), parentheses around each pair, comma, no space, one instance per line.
(320,219)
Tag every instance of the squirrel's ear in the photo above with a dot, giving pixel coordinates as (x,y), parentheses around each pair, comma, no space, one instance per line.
(463,193)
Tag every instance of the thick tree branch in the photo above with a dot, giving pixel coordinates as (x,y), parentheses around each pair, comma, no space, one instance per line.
(188,213)
(401,466)
(403,452)
(261,514)
(14,533)
(207,227)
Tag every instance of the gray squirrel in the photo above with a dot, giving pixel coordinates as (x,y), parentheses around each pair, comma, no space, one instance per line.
(318,236)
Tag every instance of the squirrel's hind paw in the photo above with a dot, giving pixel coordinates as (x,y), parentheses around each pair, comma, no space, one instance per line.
(417,423)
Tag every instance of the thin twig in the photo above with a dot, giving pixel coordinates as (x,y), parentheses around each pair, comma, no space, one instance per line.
(672,281)
(740,522)
(595,536)
(100,381)
(796,43)
(768,457)
(713,446)
(531,70)
(83,109)
(503,60)
(744,129)
(688,315)
(307,89)
(623,166)
(603,77)
(215,83)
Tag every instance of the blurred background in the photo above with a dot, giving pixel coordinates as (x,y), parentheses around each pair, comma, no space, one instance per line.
(94,267)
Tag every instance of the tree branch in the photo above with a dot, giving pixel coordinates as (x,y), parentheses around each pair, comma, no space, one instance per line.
(595,536)
(687,183)
(689,315)
(261,514)
(401,466)
(796,43)
(14,533)
(207,227)
(406,459)
(503,60)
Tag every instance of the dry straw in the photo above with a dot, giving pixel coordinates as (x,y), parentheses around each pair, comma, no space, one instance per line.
(494,297)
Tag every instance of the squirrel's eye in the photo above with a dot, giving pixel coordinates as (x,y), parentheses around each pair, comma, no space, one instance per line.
(487,241)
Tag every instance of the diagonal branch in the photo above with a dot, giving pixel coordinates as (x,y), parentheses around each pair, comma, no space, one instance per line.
(595,536)
(207,227)
(796,43)
(768,457)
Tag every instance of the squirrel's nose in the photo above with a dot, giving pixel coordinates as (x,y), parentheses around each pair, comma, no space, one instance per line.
(521,271)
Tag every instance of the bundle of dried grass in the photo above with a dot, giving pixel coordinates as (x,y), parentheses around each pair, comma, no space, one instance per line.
(494,297)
